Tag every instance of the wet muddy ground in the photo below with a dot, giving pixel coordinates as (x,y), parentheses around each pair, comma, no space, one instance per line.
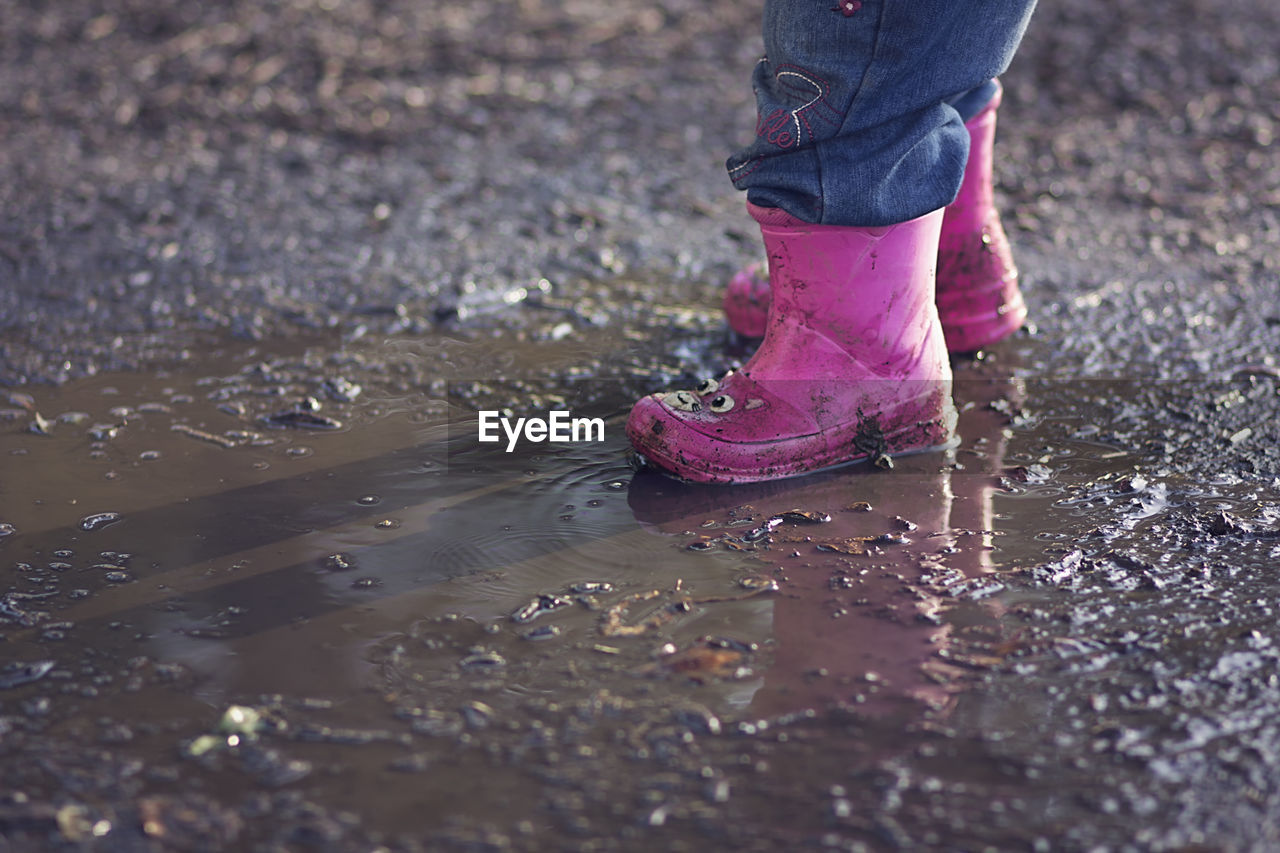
(263,589)
(221,631)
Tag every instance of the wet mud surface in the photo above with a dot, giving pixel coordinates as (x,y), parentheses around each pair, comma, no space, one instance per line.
(262,588)
(287,167)
(1060,633)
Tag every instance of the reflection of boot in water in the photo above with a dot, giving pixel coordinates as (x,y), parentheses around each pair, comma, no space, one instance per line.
(859,616)
(847,624)
(987,398)
(956,573)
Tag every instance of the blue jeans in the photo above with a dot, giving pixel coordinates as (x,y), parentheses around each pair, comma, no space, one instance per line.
(862,104)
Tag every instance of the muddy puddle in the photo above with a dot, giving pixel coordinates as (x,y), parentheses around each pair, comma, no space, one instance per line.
(289,598)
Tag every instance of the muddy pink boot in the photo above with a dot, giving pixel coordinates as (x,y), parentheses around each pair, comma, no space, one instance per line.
(852,366)
(978,296)
(977,292)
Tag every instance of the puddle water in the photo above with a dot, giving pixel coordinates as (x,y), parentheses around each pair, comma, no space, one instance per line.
(466,646)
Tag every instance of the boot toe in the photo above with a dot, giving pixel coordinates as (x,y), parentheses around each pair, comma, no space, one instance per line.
(724,437)
(659,436)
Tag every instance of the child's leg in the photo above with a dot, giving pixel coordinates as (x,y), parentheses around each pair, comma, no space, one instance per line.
(978,298)
(857,152)
(856,118)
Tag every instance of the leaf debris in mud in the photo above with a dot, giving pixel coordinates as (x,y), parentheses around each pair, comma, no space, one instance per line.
(40,425)
(757,533)
(338,562)
(544,603)
(482,660)
(701,662)
(542,632)
(590,587)
(10,608)
(341,389)
(477,714)
(970,660)
(804,516)
(613,626)
(1035,474)
(99,520)
(852,545)
(758,583)
(220,440)
(300,419)
(104,432)
(18,674)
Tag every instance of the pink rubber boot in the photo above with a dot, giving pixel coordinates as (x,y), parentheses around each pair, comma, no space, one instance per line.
(853,364)
(977,292)
(978,296)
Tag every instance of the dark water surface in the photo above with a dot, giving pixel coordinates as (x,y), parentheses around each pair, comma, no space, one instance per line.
(453,646)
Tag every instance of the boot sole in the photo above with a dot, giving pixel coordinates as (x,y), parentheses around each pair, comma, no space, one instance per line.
(939,433)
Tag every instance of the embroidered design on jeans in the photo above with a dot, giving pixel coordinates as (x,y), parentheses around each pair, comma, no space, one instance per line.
(742,171)
(847,7)
(785,128)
